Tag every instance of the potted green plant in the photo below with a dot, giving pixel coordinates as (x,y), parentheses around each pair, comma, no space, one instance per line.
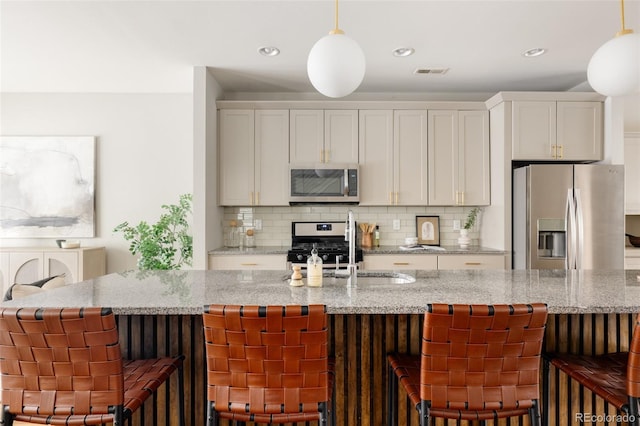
(464,239)
(167,244)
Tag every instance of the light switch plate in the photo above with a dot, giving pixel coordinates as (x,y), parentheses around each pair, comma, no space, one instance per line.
(456,225)
(396,224)
(257,223)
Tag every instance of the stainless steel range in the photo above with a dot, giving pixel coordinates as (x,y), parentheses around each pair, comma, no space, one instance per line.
(329,238)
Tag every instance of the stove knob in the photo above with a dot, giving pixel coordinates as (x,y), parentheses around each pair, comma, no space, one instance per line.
(300,257)
(325,257)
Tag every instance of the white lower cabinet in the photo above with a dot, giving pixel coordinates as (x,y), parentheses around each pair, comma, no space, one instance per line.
(478,261)
(400,261)
(26,265)
(432,261)
(243,262)
(632,258)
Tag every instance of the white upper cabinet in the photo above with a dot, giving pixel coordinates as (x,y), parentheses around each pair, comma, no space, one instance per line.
(632,173)
(323,136)
(376,157)
(236,159)
(253,160)
(562,131)
(459,171)
(393,157)
(409,158)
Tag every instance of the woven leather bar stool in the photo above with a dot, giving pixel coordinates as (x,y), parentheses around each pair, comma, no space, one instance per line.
(267,364)
(477,362)
(614,377)
(65,367)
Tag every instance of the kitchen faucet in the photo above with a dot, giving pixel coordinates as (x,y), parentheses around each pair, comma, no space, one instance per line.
(350,236)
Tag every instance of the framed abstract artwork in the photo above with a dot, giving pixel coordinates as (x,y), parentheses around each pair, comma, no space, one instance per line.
(47,187)
(428,230)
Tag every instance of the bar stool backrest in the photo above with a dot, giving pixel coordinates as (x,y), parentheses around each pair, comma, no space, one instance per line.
(60,361)
(482,357)
(267,361)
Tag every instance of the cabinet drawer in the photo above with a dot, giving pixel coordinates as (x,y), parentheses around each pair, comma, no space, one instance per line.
(632,263)
(401,262)
(259,261)
(471,262)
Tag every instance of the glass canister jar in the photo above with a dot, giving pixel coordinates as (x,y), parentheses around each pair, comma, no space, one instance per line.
(233,236)
(250,238)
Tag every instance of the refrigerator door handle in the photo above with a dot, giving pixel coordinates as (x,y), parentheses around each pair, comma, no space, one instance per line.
(570,258)
(579,229)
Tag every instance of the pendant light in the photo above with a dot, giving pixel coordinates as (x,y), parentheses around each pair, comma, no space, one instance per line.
(614,70)
(336,63)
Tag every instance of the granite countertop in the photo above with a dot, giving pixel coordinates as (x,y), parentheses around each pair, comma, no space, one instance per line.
(186,292)
(366,251)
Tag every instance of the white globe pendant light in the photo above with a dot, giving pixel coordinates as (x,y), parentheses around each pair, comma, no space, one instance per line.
(614,69)
(336,64)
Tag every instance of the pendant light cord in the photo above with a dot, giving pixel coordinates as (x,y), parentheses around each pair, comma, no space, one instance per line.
(336,30)
(623,31)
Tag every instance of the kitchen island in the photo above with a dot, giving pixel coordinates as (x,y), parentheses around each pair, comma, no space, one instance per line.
(159,313)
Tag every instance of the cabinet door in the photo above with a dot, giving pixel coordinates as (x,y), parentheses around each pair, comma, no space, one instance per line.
(236,159)
(25,267)
(376,157)
(579,135)
(474,171)
(632,174)
(340,136)
(444,159)
(534,130)
(306,136)
(410,157)
(62,262)
(271,158)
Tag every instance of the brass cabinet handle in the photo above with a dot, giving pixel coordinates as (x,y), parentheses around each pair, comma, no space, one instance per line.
(553,151)
(462,197)
(561,152)
(322,155)
(391,197)
(248,264)
(396,197)
(401,263)
(472,263)
(257,198)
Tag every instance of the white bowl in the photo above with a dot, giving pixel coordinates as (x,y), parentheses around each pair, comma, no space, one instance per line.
(411,241)
(70,244)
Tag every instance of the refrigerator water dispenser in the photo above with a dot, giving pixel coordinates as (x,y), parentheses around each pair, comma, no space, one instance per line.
(552,238)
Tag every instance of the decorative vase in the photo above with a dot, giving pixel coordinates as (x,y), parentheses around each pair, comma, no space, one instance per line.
(464,239)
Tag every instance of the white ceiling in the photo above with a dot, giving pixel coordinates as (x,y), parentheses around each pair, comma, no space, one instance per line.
(152,46)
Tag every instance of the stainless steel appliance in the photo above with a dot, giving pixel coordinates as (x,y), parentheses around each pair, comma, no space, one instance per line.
(329,238)
(324,183)
(568,216)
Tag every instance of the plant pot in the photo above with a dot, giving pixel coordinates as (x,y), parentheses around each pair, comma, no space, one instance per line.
(464,239)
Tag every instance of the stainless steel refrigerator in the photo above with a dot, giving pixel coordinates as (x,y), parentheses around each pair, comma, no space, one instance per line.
(568,216)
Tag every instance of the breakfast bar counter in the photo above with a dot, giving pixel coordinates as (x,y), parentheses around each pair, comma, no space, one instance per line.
(159,313)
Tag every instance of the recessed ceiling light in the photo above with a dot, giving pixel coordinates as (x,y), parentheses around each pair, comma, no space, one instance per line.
(403,51)
(269,51)
(532,53)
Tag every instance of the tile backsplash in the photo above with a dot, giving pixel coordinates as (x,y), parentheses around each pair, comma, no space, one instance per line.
(276,221)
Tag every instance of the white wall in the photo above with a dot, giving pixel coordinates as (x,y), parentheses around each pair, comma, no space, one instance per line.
(144,154)
(207,215)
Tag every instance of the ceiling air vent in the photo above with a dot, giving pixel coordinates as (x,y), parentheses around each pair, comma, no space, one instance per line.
(434,71)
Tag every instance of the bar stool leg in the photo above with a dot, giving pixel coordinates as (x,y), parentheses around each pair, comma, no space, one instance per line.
(392,384)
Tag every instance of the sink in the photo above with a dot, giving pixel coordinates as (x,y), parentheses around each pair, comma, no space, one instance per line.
(384,277)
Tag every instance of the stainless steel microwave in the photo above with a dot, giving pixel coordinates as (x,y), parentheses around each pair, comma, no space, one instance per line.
(324,183)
